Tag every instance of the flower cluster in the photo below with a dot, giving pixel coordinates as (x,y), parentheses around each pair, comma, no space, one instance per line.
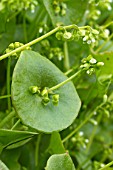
(45,95)
(59,7)
(87,34)
(18,5)
(13,46)
(80,140)
(95,7)
(89,64)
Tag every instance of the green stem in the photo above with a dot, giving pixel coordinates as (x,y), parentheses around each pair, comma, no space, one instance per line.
(37,150)
(107,25)
(106,166)
(83,123)
(29,44)
(16,124)
(93,133)
(73,132)
(12,16)
(68,72)
(5,96)
(65,81)
(66,56)
(7,118)
(8,83)
(41,38)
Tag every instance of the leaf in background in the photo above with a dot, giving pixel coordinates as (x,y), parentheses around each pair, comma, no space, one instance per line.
(13,137)
(81,157)
(7,35)
(60,161)
(74,13)
(107,58)
(3,166)
(32,69)
(56,146)
(10,158)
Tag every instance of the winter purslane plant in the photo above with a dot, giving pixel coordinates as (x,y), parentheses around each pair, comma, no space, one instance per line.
(56,85)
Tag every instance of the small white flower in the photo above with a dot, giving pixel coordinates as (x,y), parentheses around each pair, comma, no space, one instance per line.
(88,72)
(95,113)
(87,11)
(86,140)
(109,7)
(102,165)
(98,12)
(93,40)
(89,42)
(93,61)
(81,133)
(84,39)
(40,30)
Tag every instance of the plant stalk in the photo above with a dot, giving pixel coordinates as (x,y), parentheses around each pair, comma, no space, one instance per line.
(65,81)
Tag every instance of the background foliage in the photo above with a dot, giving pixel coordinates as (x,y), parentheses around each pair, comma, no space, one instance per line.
(88,143)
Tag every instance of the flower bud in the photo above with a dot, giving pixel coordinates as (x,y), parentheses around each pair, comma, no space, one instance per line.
(105,97)
(33,89)
(107,114)
(93,61)
(59,35)
(100,64)
(45,100)
(11,46)
(67,35)
(17,44)
(55,99)
(44,92)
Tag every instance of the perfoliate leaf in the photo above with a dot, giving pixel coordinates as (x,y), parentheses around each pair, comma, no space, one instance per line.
(32,69)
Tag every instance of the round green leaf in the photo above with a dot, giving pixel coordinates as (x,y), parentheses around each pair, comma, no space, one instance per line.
(32,69)
(60,161)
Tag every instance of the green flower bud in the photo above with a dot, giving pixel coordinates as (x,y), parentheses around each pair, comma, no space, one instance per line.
(33,89)
(63,12)
(73,139)
(17,44)
(45,100)
(105,97)
(94,122)
(107,114)
(100,64)
(90,71)
(57,9)
(59,35)
(55,99)
(84,60)
(55,3)
(67,35)
(11,46)
(50,56)
(64,6)
(85,66)
(8,50)
(44,92)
